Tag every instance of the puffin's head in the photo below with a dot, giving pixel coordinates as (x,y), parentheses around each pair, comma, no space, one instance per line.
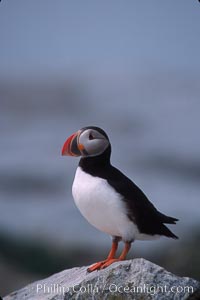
(88,141)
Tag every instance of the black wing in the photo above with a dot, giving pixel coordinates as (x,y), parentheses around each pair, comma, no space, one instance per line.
(139,209)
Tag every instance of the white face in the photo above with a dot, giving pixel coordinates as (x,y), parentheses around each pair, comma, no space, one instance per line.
(93,141)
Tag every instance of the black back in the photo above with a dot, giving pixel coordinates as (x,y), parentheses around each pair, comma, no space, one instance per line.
(139,209)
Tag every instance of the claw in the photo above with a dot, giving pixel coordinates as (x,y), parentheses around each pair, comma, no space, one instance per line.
(96,266)
(110,259)
(109,262)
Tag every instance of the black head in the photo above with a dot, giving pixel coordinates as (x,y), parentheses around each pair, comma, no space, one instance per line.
(89,141)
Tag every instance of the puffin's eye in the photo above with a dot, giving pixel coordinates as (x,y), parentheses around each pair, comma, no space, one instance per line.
(91,137)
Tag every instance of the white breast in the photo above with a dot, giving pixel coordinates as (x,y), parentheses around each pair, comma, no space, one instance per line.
(102,206)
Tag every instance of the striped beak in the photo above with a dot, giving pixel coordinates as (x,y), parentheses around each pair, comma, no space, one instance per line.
(72,147)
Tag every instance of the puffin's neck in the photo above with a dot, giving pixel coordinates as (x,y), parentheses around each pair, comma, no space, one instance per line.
(95,164)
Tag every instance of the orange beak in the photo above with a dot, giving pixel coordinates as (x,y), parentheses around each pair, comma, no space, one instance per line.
(72,147)
(70,143)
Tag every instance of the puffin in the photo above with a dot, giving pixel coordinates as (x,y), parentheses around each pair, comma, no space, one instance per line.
(108,199)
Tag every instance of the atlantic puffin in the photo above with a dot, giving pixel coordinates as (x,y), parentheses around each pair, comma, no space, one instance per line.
(108,199)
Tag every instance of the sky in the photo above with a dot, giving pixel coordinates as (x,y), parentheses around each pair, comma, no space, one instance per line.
(43,37)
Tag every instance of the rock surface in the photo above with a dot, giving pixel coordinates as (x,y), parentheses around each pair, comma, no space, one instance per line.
(131,279)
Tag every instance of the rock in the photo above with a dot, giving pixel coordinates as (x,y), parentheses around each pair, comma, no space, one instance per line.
(131,279)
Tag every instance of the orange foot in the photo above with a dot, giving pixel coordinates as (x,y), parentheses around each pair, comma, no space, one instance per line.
(109,262)
(96,266)
(102,264)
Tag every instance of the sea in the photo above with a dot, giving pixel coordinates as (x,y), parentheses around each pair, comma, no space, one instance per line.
(153,122)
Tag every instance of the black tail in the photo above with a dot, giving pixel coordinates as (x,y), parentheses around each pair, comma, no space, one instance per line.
(167,219)
(165,231)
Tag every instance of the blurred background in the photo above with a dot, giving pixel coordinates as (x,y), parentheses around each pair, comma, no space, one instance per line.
(130,67)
